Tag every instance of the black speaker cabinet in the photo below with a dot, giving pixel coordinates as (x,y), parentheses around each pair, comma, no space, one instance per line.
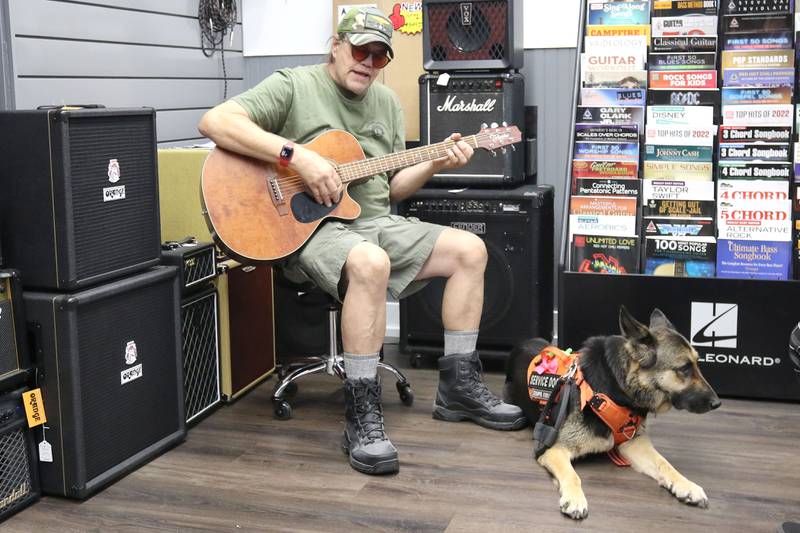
(466,102)
(200,338)
(19,477)
(478,35)
(14,355)
(112,378)
(517,227)
(80,195)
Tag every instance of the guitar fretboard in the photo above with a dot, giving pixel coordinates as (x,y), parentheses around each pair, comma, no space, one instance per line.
(369,167)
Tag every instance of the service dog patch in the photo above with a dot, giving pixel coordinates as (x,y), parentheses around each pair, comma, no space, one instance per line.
(544,371)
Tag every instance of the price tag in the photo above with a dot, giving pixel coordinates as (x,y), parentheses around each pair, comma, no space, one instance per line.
(45,449)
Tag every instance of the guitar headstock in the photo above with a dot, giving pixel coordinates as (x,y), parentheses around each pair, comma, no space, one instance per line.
(491,138)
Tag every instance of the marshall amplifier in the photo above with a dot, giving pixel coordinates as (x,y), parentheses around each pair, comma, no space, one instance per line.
(517,228)
(462,105)
(196,262)
(19,478)
(478,35)
(80,194)
(111,374)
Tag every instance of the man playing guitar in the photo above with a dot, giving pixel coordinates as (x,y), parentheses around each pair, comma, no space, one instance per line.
(358,261)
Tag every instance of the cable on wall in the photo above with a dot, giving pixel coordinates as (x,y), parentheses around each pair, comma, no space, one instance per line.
(217,18)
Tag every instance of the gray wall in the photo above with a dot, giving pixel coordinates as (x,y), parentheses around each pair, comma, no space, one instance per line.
(119,53)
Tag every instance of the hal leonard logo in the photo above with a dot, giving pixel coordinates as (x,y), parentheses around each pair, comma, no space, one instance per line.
(714,324)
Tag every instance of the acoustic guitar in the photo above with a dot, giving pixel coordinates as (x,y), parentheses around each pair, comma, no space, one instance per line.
(260,212)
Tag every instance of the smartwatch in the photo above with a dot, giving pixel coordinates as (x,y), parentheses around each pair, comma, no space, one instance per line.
(286,154)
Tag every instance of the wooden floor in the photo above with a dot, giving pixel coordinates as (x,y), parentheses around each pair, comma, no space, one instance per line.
(242,470)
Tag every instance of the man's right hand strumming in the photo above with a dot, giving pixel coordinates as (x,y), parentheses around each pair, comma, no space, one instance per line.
(320,177)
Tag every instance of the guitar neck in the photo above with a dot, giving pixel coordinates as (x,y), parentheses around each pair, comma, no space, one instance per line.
(385,163)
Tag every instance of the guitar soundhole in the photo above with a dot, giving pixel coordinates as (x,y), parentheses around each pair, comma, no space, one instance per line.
(306,209)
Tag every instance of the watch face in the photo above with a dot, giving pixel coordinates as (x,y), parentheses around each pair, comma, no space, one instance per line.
(286,154)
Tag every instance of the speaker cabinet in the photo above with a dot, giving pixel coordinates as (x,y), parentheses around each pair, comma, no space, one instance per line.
(478,35)
(19,477)
(112,382)
(517,227)
(80,199)
(200,340)
(462,105)
(14,356)
(247,328)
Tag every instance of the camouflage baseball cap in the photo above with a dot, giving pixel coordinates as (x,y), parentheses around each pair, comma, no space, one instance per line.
(364,25)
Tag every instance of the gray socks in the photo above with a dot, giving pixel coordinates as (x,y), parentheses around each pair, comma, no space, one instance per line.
(361,366)
(460,341)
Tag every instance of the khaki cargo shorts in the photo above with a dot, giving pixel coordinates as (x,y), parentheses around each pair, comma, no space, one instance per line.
(407,241)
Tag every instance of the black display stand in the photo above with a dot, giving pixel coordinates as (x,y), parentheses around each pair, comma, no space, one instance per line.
(739,327)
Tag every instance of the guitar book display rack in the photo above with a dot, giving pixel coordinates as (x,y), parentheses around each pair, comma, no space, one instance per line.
(739,327)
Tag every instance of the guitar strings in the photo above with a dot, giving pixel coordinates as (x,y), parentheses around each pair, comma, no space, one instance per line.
(294,184)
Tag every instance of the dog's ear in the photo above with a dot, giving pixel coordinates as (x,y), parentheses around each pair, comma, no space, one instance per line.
(630,327)
(659,319)
(641,342)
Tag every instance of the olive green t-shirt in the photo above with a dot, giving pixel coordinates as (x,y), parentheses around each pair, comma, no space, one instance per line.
(301,103)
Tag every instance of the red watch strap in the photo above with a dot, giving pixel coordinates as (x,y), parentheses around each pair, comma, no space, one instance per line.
(286,154)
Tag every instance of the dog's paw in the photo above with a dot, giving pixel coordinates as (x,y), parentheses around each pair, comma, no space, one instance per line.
(690,493)
(575,506)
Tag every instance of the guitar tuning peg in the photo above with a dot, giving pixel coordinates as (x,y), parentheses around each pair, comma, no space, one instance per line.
(513,148)
(494,124)
(493,152)
(505,124)
(504,150)
(484,125)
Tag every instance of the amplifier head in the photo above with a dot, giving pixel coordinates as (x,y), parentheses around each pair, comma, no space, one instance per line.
(477,35)
(196,262)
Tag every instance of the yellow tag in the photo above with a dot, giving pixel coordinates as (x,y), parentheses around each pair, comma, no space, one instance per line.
(34,407)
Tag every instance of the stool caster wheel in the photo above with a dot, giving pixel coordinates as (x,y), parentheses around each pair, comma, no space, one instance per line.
(281,409)
(415,360)
(406,394)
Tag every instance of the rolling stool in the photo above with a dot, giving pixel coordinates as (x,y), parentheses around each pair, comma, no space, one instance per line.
(331,363)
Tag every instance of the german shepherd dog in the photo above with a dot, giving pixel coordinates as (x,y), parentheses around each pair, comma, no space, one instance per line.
(647,370)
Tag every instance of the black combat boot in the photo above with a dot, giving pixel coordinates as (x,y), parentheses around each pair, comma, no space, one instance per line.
(462,395)
(364,438)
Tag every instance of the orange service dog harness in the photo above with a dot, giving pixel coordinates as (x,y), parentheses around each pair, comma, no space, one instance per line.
(553,375)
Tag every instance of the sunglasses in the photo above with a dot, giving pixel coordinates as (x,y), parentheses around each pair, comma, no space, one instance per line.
(360,53)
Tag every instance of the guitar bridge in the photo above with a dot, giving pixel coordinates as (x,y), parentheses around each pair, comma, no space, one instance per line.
(277,196)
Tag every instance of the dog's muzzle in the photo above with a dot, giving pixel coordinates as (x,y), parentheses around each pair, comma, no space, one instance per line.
(697,400)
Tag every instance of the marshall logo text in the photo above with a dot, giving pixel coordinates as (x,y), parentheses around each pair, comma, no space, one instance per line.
(452,106)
